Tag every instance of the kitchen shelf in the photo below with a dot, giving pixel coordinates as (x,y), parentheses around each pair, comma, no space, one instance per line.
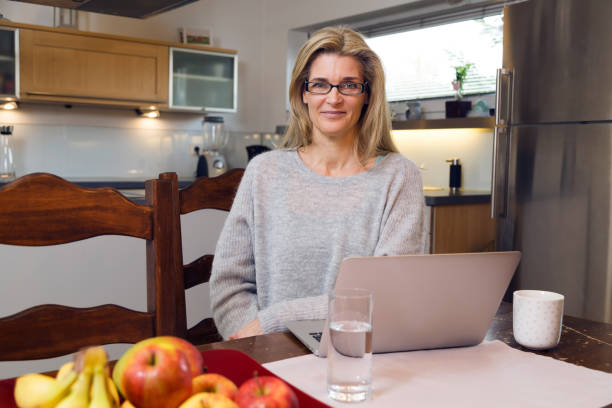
(454,123)
(202,77)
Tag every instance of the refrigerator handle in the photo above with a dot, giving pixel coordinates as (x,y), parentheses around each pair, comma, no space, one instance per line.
(503,96)
(499,176)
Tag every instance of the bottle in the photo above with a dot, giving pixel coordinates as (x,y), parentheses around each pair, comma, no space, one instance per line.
(7,166)
(455,174)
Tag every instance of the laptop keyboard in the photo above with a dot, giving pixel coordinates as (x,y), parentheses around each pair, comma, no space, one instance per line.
(316,336)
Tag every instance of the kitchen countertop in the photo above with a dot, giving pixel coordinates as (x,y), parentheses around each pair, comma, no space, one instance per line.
(433,195)
(443,196)
(118,183)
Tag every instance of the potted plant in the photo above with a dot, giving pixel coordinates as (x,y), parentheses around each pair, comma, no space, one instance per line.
(459,108)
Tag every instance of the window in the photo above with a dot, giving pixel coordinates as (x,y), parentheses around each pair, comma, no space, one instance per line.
(420,63)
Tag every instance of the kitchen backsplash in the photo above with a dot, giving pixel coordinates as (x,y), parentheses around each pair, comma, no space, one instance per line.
(101,143)
(97,143)
(430,148)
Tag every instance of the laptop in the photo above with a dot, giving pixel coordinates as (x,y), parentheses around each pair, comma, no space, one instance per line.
(422,301)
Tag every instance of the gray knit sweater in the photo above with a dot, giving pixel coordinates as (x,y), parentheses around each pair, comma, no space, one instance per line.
(278,253)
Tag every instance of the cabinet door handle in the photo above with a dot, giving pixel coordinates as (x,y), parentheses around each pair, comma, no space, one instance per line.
(36,93)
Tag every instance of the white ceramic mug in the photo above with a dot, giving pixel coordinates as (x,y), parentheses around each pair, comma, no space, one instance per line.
(537,318)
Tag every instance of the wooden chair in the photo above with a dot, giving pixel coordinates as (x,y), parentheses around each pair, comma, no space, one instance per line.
(204,193)
(42,209)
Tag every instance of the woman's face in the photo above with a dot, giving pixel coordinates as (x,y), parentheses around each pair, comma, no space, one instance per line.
(334,115)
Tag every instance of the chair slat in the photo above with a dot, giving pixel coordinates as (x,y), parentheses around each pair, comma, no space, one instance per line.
(198,271)
(54,211)
(51,330)
(216,193)
(204,332)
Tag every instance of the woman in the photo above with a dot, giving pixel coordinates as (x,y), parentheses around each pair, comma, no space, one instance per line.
(337,188)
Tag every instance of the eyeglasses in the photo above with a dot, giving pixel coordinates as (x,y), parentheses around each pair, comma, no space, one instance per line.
(345,88)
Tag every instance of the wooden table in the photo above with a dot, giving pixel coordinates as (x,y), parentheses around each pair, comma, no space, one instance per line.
(583,342)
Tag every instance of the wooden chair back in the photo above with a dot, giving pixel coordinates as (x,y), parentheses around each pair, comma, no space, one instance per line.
(41,209)
(204,193)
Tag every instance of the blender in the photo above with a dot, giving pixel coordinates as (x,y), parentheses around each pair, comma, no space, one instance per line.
(214,140)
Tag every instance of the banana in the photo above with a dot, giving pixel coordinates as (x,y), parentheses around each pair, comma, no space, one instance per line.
(64,369)
(79,392)
(112,390)
(100,397)
(41,391)
(90,357)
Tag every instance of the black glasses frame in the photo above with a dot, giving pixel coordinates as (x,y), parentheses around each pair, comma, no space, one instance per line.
(364,87)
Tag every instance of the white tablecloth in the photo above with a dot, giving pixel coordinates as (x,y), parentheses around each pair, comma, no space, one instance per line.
(491,374)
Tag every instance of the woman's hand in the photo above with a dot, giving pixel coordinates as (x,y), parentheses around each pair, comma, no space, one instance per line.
(250,329)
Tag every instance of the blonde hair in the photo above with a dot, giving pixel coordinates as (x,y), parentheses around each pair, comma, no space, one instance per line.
(375,121)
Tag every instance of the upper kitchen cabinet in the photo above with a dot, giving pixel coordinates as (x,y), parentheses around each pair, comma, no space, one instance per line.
(79,67)
(203,80)
(9,64)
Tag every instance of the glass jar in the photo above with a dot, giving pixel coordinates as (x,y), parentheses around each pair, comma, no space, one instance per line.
(7,165)
(213,133)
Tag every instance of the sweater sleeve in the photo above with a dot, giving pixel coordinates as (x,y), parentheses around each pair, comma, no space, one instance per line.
(233,293)
(403,226)
(274,317)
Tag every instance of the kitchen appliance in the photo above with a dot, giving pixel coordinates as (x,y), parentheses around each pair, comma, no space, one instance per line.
(214,138)
(133,8)
(254,150)
(552,164)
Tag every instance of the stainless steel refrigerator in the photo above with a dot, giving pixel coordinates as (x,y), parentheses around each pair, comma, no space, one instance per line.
(552,168)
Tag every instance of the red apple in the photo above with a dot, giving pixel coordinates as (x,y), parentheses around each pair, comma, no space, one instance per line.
(214,383)
(266,392)
(154,375)
(194,357)
(208,400)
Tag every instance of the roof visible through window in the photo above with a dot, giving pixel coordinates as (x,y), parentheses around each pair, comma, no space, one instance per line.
(420,63)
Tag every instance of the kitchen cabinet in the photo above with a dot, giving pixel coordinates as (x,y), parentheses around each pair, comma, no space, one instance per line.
(9,64)
(457,228)
(203,80)
(73,66)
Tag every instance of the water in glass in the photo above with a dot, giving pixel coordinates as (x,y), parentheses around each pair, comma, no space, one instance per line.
(350,360)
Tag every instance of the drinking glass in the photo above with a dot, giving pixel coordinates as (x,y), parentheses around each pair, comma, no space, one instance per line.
(349,350)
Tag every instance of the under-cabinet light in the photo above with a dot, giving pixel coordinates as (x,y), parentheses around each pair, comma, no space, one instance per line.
(9,105)
(151,112)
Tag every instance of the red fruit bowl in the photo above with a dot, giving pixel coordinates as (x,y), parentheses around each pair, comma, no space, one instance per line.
(239,367)
(233,364)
